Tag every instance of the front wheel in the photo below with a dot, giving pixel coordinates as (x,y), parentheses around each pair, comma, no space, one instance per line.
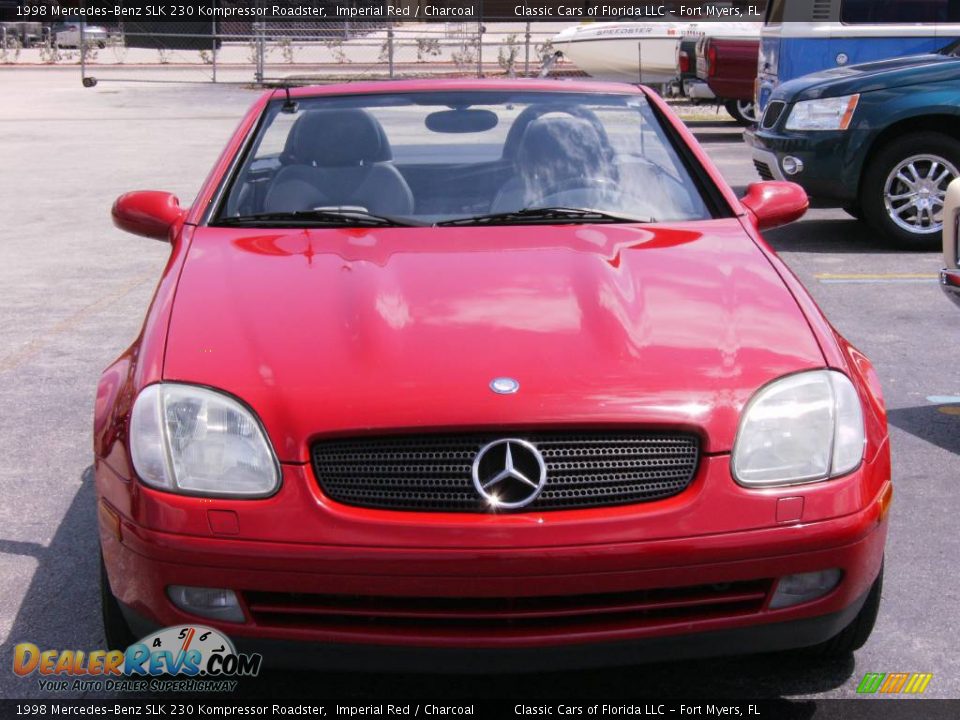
(855,635)
(743,111)
(115,628)
(904,186)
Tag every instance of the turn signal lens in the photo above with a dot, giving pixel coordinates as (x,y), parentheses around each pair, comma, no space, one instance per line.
(804,587)
(213,603)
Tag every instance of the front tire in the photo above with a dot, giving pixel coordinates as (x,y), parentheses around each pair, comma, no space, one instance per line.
(855,635)
(115,628)
(744,112)
(904,186)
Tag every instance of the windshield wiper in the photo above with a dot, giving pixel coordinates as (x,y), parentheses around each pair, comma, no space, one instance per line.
(318,217)
(549,215)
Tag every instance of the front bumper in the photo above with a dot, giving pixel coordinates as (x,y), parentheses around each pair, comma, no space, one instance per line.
(950,283)
(771,637)
(505,587)
(831,170)
(697,89)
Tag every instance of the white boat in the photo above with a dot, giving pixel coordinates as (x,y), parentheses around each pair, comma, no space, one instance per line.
(638,52)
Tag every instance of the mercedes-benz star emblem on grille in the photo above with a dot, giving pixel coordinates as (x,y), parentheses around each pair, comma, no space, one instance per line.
(509,473)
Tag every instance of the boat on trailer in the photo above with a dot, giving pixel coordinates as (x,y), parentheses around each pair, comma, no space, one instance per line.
(639,52)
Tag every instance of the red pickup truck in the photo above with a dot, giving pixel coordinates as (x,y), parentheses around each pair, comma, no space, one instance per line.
(729,66)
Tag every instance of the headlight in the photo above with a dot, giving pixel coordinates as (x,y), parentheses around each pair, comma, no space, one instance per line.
(823,114)
(189,439)
(801,428)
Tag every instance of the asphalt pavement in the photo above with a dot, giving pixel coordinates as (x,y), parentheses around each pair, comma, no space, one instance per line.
(73,292)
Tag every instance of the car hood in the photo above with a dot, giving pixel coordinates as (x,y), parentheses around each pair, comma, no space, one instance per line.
(867,77)
(365,330)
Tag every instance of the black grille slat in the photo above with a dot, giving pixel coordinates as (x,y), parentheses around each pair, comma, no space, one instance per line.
(763,170)
(432,472)
(508,616)
(386,471)
(772,114)
(606,479)
(601,491)
(608,464)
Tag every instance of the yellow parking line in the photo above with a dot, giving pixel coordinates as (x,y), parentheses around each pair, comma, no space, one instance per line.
(876,276)
(33,347)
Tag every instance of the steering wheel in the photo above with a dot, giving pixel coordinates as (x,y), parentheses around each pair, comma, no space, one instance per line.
(597,183)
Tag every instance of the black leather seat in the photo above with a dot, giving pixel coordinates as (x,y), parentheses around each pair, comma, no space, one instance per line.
(335,158)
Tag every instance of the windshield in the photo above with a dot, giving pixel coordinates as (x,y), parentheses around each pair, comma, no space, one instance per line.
(427,158)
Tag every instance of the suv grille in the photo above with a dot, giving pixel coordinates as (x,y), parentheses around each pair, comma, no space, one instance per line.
(763,170)
(433,472)
(772,114)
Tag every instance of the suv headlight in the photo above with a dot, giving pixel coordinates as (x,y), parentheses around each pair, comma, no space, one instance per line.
(798,429)
(823,114)
(189,439)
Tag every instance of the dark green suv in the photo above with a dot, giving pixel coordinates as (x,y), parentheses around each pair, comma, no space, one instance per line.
(881,140)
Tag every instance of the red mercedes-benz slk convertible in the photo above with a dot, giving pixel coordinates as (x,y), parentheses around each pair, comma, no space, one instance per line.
(482,375)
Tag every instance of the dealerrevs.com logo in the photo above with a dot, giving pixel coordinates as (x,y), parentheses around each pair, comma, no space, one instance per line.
(894,683)
(185,658)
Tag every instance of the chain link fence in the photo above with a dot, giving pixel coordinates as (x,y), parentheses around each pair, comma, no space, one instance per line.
(408,50)
(278,52)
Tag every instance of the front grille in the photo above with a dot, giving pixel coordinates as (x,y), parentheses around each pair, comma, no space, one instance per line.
(489,616)
(772,114)
(433,472)
(763,170)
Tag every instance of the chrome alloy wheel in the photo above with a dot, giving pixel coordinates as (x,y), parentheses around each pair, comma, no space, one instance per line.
(914,191)
(748,109)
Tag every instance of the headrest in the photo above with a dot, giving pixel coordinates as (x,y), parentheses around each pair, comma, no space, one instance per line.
(336,138)
(511,145)
(561,143)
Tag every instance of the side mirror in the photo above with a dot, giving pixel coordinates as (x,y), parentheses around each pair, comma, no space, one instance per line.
(147,212)
(950,275)
(775,203)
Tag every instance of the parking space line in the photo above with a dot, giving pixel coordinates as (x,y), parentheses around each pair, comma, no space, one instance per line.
(943,399)
(948,404)
(869,278)
(33,347)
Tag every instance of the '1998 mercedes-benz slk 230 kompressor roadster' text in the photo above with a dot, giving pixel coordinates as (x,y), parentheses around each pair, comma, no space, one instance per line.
(485,375)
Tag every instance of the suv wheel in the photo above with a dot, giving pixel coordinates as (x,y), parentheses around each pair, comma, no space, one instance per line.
(904,186)
(743,111)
